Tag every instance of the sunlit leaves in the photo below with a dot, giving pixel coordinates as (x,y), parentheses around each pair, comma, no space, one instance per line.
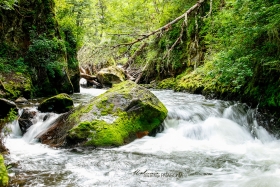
(7,4)
(244,37)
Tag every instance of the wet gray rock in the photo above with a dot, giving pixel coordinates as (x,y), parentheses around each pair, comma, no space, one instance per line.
(25,120)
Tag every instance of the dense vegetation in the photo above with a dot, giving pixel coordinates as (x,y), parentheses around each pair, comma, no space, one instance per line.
(243,54)
(37,58)
(229,49)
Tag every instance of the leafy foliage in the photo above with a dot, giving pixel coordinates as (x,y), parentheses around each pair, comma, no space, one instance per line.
(100,27)
(246,36)
(4,130)
(34,44)
(7,4)
(242,39)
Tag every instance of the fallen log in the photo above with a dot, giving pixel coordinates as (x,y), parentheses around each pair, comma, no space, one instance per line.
(87,77)
(97,84)
(82,70)
(128,76)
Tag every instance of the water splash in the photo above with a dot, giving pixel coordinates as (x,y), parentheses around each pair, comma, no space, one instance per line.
(40,126)
(213,143)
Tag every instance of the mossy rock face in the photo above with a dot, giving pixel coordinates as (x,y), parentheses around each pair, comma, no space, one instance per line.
(115,117)
(60,103)
(15,85)
(111,75)
(33,44)
(168,83)
(4,179)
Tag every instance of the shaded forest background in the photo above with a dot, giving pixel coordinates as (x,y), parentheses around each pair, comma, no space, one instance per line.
(226,49)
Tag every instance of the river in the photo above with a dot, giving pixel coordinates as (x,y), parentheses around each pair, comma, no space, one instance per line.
(205,143)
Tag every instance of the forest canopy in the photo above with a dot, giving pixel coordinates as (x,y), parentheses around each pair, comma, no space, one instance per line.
(229,48)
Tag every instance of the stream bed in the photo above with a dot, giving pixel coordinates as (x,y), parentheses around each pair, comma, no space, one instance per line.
(205,143)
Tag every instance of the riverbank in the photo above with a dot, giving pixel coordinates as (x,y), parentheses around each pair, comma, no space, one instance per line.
(196,82)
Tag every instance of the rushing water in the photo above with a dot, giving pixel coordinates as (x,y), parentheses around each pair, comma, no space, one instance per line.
(207,143)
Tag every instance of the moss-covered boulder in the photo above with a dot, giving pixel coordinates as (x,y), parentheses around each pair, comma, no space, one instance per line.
(60,103)
(4,179)
(116,117)
(111,75)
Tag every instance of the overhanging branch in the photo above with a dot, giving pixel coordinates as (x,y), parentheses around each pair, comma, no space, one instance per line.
(163,28)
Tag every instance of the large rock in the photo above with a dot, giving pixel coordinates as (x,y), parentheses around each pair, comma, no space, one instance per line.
(55,135)
(116,117)
(60,103)
(4,178)
(111,75)
(25,120)
(6,107)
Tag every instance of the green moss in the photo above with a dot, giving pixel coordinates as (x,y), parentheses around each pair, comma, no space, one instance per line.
(33,46)
(17,84)
(111,75)
(98,133)
(129,107)
(59,103)
(4,179)
(169,83)
(190,82)
(101,133)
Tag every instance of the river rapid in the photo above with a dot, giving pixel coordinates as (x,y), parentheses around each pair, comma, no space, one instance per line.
(205,143)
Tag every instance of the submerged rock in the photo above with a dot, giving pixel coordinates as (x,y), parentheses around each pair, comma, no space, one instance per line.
(60,103)
(6,107)
(111,75)
(117,117)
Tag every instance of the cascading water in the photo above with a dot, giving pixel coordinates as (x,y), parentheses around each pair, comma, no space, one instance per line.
(204,143)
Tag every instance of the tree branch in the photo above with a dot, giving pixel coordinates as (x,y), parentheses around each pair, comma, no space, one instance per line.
(179,39)
(131,59)
(87,77)
(163,28)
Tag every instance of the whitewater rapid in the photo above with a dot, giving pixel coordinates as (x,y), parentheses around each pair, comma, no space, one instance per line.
(207,143)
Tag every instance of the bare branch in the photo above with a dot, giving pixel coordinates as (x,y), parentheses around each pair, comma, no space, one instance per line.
(179,39)
(210,10)
(125,34)
(87,77)
(163,28)
(131,59)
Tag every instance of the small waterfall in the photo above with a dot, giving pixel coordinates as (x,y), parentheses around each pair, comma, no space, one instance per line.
(16,132)
(40,126)
(41,122)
